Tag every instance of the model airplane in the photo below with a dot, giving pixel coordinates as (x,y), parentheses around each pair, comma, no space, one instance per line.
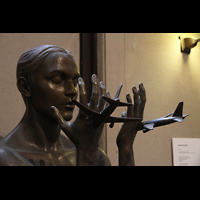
(104,116)
(176,117)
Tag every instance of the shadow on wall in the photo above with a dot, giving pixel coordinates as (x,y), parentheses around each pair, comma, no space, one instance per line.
(185,58)
(1,137)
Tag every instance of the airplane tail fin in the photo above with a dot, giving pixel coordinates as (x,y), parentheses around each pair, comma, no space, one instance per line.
(178,114)
(125,104)
(110,101)
(179,110)
(116,99)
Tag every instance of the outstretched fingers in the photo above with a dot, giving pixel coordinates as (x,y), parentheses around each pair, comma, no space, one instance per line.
(101,101)
(136,102)
(95,92)
(129,108)
(139,97)
(107,95)
(142,94)
(82,91)
(58,117)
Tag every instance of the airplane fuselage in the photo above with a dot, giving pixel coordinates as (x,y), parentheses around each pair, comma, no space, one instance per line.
(156,122)
(106,112)
(176,117)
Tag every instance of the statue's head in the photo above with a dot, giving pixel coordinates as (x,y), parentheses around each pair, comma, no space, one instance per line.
(47,76)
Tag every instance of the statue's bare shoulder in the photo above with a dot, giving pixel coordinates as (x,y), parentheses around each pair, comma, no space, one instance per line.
(9,157)
(19,154)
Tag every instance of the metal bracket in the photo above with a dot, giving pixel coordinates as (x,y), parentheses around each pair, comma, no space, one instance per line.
(188,43)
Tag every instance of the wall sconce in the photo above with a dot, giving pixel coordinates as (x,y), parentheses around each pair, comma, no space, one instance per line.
(188,43)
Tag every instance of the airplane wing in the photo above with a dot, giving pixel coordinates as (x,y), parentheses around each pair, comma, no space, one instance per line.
(167,115)
(179,119)
(85,109)
(149,126)
(112,119)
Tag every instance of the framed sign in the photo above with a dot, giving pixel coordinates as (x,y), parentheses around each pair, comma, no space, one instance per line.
(186,151)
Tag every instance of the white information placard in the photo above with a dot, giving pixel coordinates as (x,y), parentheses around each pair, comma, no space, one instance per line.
(186,151)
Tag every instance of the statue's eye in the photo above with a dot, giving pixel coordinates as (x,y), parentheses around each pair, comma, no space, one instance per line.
(57,79)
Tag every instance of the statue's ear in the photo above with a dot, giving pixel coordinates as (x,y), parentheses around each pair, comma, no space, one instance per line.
(24,86)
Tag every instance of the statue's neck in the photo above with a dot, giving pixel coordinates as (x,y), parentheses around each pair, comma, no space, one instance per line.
(42,131)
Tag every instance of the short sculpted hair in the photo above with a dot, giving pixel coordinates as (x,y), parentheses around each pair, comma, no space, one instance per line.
(31,60)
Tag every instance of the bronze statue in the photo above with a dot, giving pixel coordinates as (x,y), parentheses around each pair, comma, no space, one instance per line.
(47,78)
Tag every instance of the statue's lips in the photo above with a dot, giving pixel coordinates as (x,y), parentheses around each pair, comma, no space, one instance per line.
(69,105)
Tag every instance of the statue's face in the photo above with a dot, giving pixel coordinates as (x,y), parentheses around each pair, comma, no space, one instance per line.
(55,84)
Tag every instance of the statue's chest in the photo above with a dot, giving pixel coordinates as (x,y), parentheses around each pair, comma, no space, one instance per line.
(48,159)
